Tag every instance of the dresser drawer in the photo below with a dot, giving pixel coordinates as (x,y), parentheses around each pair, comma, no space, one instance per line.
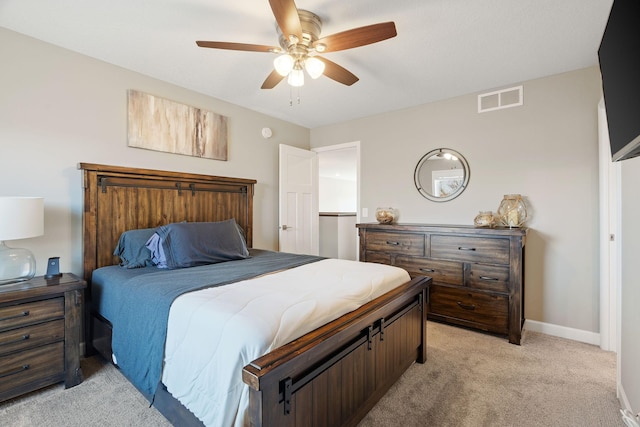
(449,272)
(482,310)
(379,257)
(470,249)
(31,336)
(31,312)
(31,369)
(488,277)
(401,243)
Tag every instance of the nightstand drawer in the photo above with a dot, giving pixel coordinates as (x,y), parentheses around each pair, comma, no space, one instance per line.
(40,366)
(401,243)
(31,312)
(449,272)
(31,336)
(470,249)
(487,311)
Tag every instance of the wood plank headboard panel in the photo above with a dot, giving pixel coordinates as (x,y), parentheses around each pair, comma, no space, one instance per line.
(117,199)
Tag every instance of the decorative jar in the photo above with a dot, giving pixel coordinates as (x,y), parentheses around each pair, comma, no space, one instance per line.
(484,219)
(386,215)
(512,211)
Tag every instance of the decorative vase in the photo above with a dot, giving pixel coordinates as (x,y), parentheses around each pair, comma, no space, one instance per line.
(512,211)
(386,215)
(484,219)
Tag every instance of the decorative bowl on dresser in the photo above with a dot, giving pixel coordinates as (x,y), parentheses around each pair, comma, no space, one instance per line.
(40,334)
(477,273)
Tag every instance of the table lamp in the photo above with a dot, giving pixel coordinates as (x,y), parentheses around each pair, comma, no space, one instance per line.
(20,218)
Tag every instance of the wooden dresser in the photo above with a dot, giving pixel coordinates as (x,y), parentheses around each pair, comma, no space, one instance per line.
(40,334)
(478,273)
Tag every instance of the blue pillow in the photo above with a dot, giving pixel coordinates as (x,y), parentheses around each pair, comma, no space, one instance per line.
(132,248)
(191,244)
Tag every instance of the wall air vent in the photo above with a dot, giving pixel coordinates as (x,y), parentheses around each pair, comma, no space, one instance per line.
(499,99)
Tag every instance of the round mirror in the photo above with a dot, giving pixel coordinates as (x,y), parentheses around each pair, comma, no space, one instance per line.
(441,175)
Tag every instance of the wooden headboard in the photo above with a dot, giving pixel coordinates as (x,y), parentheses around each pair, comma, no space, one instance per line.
(117,199)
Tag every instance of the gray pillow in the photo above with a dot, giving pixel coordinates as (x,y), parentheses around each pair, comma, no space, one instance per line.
(191,244)
(132,250)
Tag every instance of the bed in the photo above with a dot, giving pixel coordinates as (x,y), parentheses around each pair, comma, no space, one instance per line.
(330,375)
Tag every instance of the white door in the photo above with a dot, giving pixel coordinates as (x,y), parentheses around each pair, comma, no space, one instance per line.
(298,216)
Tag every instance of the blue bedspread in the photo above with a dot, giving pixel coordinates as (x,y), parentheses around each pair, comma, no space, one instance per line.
(137,303)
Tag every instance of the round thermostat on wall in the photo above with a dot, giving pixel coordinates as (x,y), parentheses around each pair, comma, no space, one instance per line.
(266,133)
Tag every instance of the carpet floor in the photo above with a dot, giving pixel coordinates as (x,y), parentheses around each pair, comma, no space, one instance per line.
(470,379)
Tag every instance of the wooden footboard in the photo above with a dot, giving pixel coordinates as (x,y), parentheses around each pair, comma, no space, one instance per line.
(334,375)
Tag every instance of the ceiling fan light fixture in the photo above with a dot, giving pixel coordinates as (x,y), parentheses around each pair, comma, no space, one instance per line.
(296,78)
(299,40)
(314,67)
(283,64)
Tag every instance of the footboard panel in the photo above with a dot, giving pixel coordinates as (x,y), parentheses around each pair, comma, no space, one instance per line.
(333,376)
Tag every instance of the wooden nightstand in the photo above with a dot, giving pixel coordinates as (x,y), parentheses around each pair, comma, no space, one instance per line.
(40,334)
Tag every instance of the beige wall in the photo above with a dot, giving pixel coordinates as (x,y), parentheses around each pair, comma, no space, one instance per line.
(630,292)
(546,150)
(59,108)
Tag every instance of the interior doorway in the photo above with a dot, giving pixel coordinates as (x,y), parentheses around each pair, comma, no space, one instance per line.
(339,199)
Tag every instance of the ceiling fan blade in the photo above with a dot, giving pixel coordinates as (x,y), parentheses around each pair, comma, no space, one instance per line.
(357,37)
(286,14)
(272,80)
(238,46)
(338,73)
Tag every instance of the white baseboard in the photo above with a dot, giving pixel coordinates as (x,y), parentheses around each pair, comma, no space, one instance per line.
(622,397)
(563,332)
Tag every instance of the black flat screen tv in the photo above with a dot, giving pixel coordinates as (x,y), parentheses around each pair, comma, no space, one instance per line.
(619,56)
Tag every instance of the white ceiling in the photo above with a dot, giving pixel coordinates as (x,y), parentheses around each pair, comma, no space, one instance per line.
(444,48)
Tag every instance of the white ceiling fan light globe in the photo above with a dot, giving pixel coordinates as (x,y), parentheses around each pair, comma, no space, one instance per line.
(283,64)
(314,67)
(296,78)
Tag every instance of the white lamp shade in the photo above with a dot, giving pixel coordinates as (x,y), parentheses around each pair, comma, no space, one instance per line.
(283,64)
(314,67)
(296,78)
(21,217)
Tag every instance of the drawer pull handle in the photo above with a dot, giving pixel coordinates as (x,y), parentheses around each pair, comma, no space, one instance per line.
(466,307)
(23,314)
(15,371)
(491,279)
(393,243)
(462,248)
(428,270)
(23,338)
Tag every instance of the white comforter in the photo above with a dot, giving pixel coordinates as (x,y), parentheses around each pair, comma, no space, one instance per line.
(213,333)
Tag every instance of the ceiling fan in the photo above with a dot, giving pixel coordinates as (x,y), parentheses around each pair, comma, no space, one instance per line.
(300,43)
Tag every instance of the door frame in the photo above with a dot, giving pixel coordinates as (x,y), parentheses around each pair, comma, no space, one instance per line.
(610,246)
(336,147)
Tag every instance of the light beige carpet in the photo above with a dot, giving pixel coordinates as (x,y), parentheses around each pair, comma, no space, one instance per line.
(104,398)
(470,379)
(474,379)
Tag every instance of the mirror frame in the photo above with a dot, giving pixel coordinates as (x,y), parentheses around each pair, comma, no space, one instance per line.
(438,151)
